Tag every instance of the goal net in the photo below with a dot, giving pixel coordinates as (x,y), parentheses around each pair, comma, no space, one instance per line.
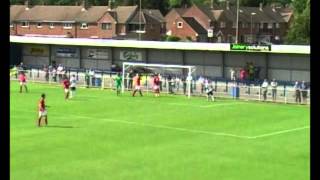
(174,79)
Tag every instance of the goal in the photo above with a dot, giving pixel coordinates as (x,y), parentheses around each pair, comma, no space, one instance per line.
(180,73)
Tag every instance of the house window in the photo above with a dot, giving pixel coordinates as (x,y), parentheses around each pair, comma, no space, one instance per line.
(25,24)
(135,27)
(277,25)
(39,25)
(51,25)
(67,26)
(270,25)
(179,25)
(84,26)
(106,26)
(222,24)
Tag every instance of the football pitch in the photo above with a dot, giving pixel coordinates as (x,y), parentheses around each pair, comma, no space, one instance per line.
(99,136)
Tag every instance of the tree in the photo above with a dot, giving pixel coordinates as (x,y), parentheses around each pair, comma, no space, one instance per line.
(299,32)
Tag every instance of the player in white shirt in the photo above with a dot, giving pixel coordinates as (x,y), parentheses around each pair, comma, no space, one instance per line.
(73,84)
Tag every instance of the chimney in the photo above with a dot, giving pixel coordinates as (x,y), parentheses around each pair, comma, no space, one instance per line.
(27,5)
(260,6)
(84,5)
(211,4)
(228,5)
(110,5)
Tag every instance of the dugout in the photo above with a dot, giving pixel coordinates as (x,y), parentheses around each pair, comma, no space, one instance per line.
(283,62)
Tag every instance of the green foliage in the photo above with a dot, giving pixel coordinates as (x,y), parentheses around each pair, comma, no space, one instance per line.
(299,32)
(172,38)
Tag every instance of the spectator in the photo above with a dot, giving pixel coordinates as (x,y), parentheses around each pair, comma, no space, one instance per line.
(54,74)
(46,72)
(60,72)
(251,71)
(265,85)
(170,84)
(256,72)
(274,86)
(177,83)
(242,75)
(297,89)
(304,91)
(184,83)
(92,75)
(201,81)
(189,80)
(233,74)
(87,79)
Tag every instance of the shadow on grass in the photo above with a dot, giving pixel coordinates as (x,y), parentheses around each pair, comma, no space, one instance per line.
(58,126)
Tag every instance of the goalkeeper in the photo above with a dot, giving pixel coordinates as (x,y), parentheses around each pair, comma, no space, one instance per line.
(118,81)
(209,91)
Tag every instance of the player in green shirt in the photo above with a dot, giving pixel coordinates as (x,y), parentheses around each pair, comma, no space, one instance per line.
(118,81)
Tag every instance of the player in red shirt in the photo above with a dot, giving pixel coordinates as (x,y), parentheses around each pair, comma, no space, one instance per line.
(137,87)
(156,85)
(23,81)
(66,85)
(42,110)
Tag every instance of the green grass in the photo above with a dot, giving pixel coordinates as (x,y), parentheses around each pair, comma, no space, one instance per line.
(98,136)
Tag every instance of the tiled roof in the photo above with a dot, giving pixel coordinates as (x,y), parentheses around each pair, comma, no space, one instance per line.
(15,11)
(195,25)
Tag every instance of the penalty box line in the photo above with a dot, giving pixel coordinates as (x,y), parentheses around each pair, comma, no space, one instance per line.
(197,131)
(190,130)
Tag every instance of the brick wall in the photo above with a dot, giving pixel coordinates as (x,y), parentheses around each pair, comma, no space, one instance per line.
(45,29)
(183,32)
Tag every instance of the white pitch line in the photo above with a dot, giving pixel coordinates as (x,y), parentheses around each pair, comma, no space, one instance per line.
(192,130)
(279,132)
(168,127)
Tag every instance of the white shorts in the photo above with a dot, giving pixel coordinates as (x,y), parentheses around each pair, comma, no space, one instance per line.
(138,87)
(43,113)
(66,90)
(22,83)
(155,87)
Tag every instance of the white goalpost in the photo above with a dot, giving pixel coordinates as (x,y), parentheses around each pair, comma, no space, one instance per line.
(190,70)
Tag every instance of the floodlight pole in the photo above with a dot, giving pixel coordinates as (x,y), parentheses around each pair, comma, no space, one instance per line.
(139,21)
(237,27)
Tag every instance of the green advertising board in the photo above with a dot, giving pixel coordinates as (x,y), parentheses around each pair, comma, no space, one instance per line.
(244,47)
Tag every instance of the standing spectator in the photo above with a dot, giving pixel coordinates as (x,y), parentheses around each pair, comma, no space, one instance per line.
(87,79)
(92,76)
(256,72)
(201,81)
(189,80)
(265,85)
(184,84)
(20,68)
(170,84)
(160,78)
(46,72)
(242,75)
(60,72)
(54,74)
(304,91)
(233,74)
(177,83)
(297,89)
(274,86)
(251,71)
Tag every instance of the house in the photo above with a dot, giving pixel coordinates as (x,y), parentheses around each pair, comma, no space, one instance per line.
(256,24)
(86,21)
